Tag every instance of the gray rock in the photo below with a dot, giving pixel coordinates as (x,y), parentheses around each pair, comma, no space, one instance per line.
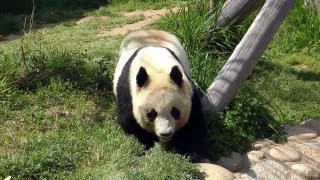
(215,172)
(305,170)
(313,124)
(285,154)
(271,170)
(233,163)
(296,133)
(260,144)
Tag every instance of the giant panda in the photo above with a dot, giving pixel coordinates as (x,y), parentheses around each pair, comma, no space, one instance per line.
(155,97)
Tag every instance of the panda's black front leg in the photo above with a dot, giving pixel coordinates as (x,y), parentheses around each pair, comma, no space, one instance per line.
(191,140)
(130,126)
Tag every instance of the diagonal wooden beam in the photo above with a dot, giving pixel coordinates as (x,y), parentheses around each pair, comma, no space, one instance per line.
(236,11)
(246,55)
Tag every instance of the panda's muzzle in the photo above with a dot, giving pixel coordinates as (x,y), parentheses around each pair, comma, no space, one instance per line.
(165,136)
(164,128)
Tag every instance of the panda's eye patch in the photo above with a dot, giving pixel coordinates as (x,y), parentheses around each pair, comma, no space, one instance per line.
(152,114)
(175,113)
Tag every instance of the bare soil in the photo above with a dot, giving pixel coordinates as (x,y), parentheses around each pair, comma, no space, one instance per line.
(150,17)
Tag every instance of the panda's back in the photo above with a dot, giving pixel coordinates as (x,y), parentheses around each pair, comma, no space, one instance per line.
(152,40)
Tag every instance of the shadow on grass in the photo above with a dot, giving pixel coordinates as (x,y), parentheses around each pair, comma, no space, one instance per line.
(80,69)
(13,13)
(267,67)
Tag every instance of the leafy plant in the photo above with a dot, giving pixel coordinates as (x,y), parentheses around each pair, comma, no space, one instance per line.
(248,118)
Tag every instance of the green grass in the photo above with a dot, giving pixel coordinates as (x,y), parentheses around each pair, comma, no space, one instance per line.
(57,110)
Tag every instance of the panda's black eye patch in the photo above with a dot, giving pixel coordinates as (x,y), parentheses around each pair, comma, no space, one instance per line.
(152,114)
(175,113)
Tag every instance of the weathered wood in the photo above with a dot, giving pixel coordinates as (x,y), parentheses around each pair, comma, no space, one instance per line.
(237,10)
(246,55)
(212,4)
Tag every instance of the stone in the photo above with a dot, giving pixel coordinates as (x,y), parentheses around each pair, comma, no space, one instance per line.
(260,144)
(233,163)
(7,178)
(317,141)
(284,154)
(310,152)
(295,133)
(255,155)
(270,169)
(313,124)
(305,170)
(215,172)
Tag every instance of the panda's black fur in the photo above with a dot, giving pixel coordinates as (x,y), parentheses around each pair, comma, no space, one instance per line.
(189,140)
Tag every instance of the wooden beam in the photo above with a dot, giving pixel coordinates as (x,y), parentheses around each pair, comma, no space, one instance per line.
(246,55)
(237,10)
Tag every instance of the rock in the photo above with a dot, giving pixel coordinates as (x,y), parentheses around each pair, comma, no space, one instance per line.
(7,178)
(255,155)
(215,172)
(317,141)
(284,154)
(313,124)
(233,163)
(306,171)
(295,133)
(270,169)
(310,152)
(260,144)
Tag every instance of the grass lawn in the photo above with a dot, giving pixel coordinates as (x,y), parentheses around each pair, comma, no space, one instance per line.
(57,116)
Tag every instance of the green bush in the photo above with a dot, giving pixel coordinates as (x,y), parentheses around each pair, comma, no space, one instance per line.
(248,118)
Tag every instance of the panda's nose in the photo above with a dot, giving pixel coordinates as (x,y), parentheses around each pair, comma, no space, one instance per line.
(166,134)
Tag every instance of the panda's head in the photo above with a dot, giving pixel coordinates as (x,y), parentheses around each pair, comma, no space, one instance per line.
(162,100)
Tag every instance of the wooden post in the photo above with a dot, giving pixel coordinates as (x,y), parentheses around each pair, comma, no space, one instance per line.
(246,55)
(237,10)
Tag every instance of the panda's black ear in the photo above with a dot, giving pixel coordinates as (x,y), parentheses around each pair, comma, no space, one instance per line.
(142,77)
(176,75)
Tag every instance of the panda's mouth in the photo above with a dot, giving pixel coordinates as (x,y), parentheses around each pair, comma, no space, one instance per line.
(165,139)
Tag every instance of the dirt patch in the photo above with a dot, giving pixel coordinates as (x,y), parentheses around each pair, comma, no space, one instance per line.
(150,17)
(301,66)
(90,18)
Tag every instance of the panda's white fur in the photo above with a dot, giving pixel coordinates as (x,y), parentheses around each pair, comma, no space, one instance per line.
(160,93)
(138,39)
(153,77)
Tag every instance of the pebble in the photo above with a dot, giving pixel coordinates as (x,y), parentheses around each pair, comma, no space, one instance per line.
(284,154)
(260,144)
(270,169)
(295,133)
(306,171)
(255,156)
(313,124)
(215,172)
(233,163)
